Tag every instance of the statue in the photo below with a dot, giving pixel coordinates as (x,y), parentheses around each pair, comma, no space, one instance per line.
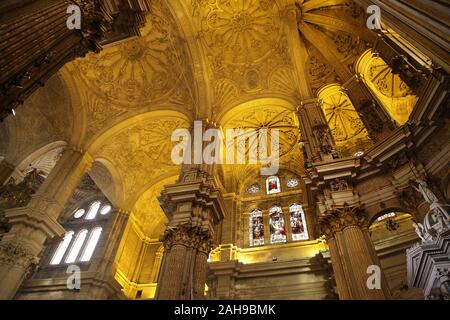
(420,230)
(427,194)
(437,212)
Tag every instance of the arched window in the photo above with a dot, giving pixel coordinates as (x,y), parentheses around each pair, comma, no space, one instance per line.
(79,244)
(79,213)
(92,243)
(256,232)
(273,185)
(93,210)
(76,247)
(62,248)
(277,225)
(105,210)
(298,223)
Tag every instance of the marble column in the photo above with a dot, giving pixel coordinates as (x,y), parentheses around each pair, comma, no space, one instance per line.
(352,253)
(33,224)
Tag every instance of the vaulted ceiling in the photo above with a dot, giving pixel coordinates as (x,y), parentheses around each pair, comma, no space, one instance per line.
(231,61)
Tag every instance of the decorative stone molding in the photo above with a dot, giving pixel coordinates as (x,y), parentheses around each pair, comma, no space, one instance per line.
(15,254)
(428,266)
(340,219)
(191,237)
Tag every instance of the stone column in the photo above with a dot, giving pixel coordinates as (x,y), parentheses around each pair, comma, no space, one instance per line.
(352,253)
(6,169)
(194,207)
(32,225)
(36,41)
(318,142)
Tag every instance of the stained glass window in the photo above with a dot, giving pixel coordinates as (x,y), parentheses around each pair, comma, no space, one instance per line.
(298,223)
(256,232)
(277,225)
(273,185)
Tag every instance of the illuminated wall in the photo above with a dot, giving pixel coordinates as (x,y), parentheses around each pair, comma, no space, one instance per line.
(344,121)
(391,91)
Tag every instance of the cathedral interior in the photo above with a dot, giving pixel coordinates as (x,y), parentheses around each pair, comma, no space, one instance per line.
(357,210)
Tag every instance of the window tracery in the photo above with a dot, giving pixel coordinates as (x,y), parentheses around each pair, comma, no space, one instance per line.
(79,245)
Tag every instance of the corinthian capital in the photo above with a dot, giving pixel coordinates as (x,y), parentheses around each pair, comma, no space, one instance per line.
(15,254)
(188,236)
(341,218)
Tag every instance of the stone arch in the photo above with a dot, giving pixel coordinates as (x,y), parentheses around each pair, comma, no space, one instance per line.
(108,180)
(139,149)
(43,159)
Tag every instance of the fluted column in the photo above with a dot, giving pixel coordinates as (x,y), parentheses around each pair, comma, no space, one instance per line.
(36,41)
(185,264)
(6,169)
(318,142)
(201,273)
(194,207)
(32,225)
(352,253)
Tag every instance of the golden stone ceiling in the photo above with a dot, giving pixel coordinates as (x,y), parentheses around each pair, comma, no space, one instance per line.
(206,59)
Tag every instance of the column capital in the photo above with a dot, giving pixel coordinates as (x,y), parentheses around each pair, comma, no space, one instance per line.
(13,253)
(190,237)
(341,218)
